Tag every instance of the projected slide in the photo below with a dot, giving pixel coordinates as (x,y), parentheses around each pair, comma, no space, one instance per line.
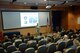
(29,19)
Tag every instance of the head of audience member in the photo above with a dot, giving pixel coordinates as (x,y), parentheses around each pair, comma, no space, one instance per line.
(32,37)
(14,35)
(49,40)
(54,33)
(40,34)
(28,34)
(6,38)
(21,36)
(45,36)
(65,37)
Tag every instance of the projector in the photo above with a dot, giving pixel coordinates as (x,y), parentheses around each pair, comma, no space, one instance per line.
(48,6)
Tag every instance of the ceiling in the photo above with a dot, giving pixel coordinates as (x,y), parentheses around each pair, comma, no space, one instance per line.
(57,3)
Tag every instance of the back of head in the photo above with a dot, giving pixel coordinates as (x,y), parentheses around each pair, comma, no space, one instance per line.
(65,37)
(32,37)
(49,40)
(6,37)
(40,34)
(28,34)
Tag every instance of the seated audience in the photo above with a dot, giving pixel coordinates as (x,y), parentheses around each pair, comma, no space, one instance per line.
(64,39)
(49,41)
(76,42)
(56,35)
(31,40)
(14,37)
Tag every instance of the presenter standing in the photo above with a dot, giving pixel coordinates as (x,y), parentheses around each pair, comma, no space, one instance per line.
(37,29)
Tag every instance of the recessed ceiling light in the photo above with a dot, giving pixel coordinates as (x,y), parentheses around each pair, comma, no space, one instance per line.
(67,1)
(25,3)
(45,0)
(36,3)
(48,6)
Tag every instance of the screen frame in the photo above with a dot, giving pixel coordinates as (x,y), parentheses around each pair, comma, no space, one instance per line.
(23,11)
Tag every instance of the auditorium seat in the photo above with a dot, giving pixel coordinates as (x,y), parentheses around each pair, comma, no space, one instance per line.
(51,48)
(11,48)
(69,43)
(2,50)
(6,44)
(69,50)
(42,42)
(78,49)
(30,50)
(23,47)
(61,46)
(42,49)
(16,52)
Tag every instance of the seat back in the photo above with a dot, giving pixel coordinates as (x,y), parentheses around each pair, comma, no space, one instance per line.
(51,48)
(69,50)
(16,52)
(23,47)
(69,43)
(55,40)
(6,44)
(42,42)
(2,50)
(78,49)
(33,44)
(42,49)
(11,48)
(17,43)
(61,46)
(30,50)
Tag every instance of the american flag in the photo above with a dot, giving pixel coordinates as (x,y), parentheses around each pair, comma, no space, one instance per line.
(47,25)
(47,22)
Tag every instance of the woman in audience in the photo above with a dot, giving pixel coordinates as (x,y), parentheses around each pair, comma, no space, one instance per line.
(14,37)
(6,38)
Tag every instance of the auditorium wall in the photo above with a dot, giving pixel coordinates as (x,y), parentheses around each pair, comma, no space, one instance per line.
(68,20)
(24,31)
(73,15)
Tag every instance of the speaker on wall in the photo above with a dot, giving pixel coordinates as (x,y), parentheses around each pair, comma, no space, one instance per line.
(34,7)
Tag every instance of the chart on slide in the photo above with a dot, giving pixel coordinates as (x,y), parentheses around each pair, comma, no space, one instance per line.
(29,19)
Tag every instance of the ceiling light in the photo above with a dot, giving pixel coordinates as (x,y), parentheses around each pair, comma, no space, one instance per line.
(45,0)
(25,3)
(67,1)
(48,6)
